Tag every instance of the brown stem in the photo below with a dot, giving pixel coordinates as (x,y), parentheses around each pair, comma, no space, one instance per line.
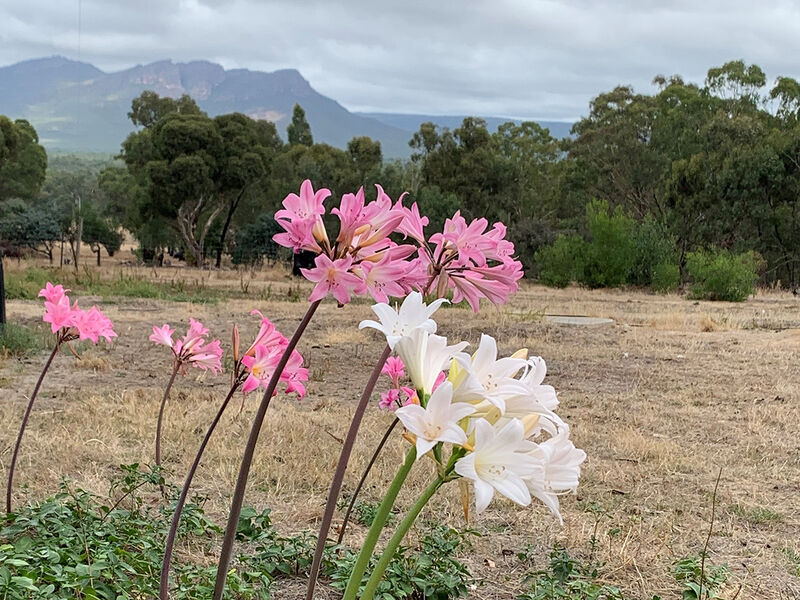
(364,476)
(161,412)
(176,517)
(25,423)
(247,458)
(338,476)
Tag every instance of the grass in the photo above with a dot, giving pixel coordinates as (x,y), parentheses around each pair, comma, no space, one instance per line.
(757,515)
(19,341)
(25,285)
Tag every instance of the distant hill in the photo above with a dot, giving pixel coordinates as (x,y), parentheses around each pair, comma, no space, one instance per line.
(411,122)
(76,107)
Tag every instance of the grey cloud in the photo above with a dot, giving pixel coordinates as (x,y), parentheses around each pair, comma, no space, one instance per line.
(524,58)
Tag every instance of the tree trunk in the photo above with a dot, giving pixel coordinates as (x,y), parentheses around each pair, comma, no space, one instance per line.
(228,218)
(98,256)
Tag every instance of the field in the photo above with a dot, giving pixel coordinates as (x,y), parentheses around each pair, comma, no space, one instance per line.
(672,393)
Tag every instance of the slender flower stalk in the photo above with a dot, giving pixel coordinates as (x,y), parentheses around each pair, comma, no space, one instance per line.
(247,459)
(176,517)
(391,547)
(25,423)
(363,479)
(364,556)
(341,468)
(159,423)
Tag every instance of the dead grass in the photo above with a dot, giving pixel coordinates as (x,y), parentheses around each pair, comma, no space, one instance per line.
(661,400)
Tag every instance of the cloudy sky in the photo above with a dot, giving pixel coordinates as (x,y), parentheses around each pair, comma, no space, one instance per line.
(518,58)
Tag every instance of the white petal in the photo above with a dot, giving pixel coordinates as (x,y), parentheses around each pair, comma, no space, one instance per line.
(466,467)
(454,434)
(513,488)
(424,446)
(413,417)
(483,495)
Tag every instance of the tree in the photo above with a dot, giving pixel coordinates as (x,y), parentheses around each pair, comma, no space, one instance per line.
(366,157)
(248,149)
(23,161)
(299,131)
(98,231)
(149,108)
(23,225)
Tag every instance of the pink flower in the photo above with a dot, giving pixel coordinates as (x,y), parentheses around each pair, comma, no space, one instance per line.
(93,324)
(294,374)
(162,335)
(207,357)
(352,215)
(60,314)
(439,381)
(308,205)
(263,363)
(333,277)
(412,225)
(411,393)
(193,348)
(52,293)
(394,368)
(383,278)
(390,399)
(267,335)
(298,235)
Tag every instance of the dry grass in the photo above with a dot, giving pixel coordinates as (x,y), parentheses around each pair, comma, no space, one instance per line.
(662,400)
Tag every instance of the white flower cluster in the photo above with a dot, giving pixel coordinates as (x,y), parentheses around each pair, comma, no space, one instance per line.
(496,412)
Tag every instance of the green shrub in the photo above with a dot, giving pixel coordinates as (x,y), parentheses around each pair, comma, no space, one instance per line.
(562,262)
(666,277)
(17,340)
(721,275)
(654,253)
(568,579)
(610,253)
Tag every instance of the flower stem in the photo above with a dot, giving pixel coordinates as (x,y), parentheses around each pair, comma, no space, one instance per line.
(394,542)
(374,532)
(364,476)
(341,468)
(176,517)
(161,414)
(247,458)
(25,423)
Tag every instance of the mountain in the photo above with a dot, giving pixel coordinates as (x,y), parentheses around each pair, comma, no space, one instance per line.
(76,107)
(411,122)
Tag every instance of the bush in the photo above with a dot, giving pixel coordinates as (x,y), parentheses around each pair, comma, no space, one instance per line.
(610,253)
(666,277)
(721,275)
(562,262)
(654,255)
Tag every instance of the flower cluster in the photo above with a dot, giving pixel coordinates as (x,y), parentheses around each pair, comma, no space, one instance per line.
(193,349)
(263,356)
(495,411)
(468,260)
(71,322)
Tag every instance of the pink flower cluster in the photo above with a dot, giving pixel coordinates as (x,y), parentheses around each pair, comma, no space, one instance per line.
(468,260)
(263,356)
(193,349)
(391,399)
(71,322)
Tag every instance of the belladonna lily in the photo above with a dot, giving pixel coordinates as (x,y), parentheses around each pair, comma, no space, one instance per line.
(438,421)
(495,376)
(558,468)
(500,461)
(426,355)
(396,323)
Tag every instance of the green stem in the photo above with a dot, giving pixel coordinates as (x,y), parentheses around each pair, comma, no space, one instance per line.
(394,542)
(377,526)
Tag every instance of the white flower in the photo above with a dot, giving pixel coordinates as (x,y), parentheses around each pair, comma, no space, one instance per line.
(500,461)
(495,377)
(438,421)
(425,355)
(397,323)
(545,395)
(558,470)
(538,399)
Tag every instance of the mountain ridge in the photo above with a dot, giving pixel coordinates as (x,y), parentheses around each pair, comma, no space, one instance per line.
(76,106)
